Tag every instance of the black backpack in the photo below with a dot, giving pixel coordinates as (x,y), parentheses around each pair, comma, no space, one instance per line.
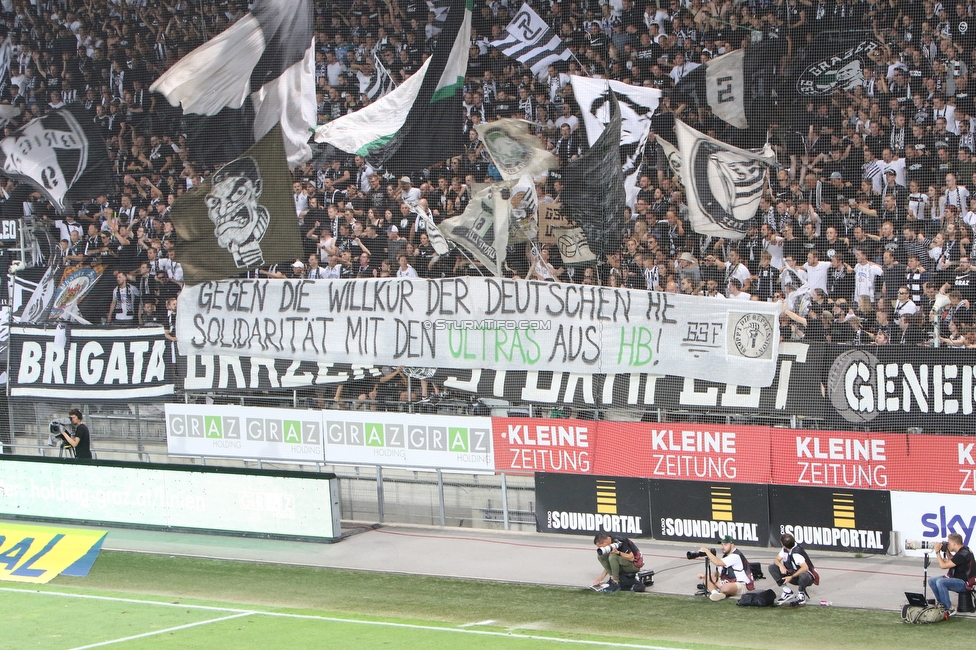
(764,598)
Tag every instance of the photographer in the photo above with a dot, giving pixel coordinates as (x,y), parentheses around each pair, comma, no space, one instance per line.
(961,575)
(793,566)
(80,440)
(732,577)
(617,558)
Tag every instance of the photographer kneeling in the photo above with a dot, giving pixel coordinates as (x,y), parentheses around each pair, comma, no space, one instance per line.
(617,557)
(961,565)
(80,439)
(793,566)
(733,575)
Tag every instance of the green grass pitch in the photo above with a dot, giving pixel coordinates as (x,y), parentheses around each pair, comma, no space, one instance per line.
(144,601)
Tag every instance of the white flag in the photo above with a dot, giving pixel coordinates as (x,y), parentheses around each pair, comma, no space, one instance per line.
(723,183)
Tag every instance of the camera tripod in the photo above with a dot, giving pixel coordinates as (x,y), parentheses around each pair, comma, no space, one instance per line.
(925,576)
(708,569)
(70,451)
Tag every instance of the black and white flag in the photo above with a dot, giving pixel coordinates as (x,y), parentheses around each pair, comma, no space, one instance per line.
(723,183)
(440,9)
(738,87)
(61,154)
(637,106)
(263,66)
(530,40)
(593,187)
(830,64)
(379,84)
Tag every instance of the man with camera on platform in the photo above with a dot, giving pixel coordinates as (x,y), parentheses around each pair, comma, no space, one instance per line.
(961,565)
(80,438)
(732,576)
(617,558)
(793,567)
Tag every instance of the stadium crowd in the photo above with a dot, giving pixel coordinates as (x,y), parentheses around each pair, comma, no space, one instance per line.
(866,221)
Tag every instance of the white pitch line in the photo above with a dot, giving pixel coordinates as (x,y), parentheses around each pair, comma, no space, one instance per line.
(170,629)
(330,619)
(488,622)
(125,600)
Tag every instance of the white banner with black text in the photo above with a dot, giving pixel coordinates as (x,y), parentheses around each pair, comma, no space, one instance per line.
(483,322)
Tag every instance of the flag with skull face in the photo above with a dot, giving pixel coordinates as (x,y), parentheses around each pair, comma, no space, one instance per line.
(241,219)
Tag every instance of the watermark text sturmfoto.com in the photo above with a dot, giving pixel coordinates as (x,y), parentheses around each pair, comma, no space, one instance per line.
(487,324)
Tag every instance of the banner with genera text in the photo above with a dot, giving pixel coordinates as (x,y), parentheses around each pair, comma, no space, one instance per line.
(483,322)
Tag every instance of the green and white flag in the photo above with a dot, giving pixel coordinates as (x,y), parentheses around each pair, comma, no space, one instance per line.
(419,123)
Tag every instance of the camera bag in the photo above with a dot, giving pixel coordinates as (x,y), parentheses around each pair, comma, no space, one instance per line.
(647,577)
(765,598)
(918,615)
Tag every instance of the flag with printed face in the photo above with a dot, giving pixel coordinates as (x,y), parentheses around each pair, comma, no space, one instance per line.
(62,155)
(258,72)
(724,183)
(243,217)
(514,150)
(637,105)
(530,40)
(418,123)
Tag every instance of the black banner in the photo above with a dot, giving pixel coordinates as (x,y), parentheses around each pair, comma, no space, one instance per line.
(797,379)
(894,387)
(831,519)
(585,505)
(701,512)
(90,364)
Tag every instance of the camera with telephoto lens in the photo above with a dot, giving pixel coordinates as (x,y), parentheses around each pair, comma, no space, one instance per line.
(608,549)
(694,555)
(55,429)
(924,545)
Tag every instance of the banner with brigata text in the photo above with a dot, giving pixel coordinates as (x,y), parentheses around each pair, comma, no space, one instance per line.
(483,323)
(90,364)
